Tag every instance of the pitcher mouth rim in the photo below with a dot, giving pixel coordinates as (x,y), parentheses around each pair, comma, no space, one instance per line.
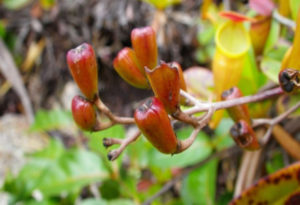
(224,50)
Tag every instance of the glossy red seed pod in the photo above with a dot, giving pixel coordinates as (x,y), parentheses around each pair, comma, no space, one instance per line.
(165,83)
(83,113)
(181,78)
(244,136)
(127,66)
(83,66)
(144,44)
(181,81)
(154,123)
(239,112)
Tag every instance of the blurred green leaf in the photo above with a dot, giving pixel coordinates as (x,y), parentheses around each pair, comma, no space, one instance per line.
(271,62)
(222,138)
(199,187)
(54,150)
(70,172)
(275,163)
(271,68)
(162,4)
(140,152)
(277,53)
(49,120)
(95,138)
(104,202)
(2,29)
(206,35)
(110,189)
(67,173)
(198,151)
(273,36)
(294,5)
(251,75)
(205,54)
(225,198)
(15,4)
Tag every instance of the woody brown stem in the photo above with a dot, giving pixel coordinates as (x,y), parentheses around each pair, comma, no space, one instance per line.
(234,102)
(185,144)
(102,125)
(179,115)
(115,119)
(272,122)
(113,154)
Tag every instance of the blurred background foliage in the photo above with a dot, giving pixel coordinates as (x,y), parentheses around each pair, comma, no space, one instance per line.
(51,161)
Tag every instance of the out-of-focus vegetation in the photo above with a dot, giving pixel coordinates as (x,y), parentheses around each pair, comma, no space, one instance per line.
(72,168)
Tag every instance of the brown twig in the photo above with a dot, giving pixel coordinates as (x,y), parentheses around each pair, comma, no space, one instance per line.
(220,154)
(185,144)
(201,106)
(272,122)
(113,154)
(102,125)
(181,116)
(115,119)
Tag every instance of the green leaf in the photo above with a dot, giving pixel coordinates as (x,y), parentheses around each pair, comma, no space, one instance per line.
(15,4)
(273,36)
(277,53)
(70,172)
(251,75)
(51,174)
(95,138)
(2,29)
(43,202)
(275,163)
(54,150)
(271,68)
(225,198)
(49,120)
(104,202)
(222,138)
(200,149)
(110,189)
(199,187)
(294,5)
(206,35)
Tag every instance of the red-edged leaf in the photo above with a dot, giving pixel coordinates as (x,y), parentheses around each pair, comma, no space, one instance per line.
(282,187)
(233,16)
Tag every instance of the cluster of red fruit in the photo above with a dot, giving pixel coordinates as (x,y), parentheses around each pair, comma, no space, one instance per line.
(138,67)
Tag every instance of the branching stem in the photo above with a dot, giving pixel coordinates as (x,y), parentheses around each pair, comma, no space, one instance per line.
(200,107)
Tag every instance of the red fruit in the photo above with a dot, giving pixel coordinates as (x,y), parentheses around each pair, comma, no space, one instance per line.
(83,113)
(83,66)
(127,66)
(244,136)
(144,44)
(154,123)
(165,83)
